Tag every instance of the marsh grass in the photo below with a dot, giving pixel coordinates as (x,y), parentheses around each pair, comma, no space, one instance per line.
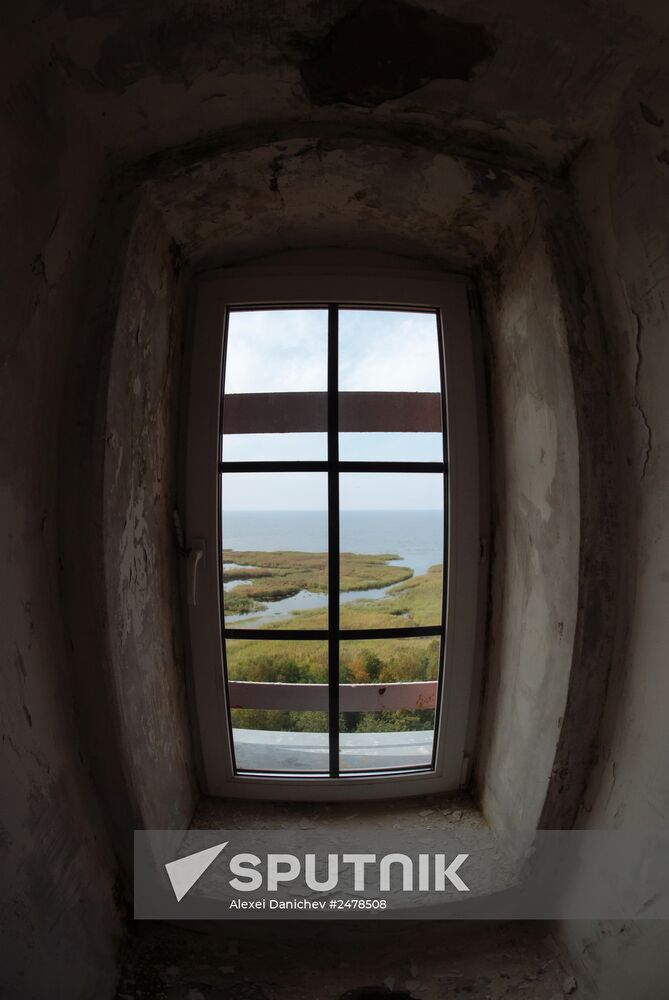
(273,576)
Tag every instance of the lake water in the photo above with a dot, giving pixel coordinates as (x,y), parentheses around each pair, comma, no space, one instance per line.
(416,536)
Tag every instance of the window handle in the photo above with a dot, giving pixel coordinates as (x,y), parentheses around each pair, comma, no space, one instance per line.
(196,555)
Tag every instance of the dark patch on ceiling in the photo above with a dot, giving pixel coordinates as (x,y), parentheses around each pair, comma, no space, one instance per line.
(650,115)
(178,48)
(488,181)
(385,49)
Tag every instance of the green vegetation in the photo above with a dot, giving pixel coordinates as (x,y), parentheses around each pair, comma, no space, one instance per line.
(317,722)
(415,601)
(361,661)
(273,576)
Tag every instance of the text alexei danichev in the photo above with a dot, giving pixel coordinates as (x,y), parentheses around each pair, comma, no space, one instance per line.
(278,904)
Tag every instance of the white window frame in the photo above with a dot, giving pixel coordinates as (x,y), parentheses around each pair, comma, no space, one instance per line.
(318,278)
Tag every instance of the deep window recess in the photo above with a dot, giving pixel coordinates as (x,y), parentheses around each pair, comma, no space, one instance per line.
(330,574)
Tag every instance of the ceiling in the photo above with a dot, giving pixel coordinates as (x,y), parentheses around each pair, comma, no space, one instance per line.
(526,81)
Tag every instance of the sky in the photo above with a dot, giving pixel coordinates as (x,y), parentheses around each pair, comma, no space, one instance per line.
(286,351)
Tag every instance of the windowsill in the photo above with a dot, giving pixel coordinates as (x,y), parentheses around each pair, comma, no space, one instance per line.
(448,812)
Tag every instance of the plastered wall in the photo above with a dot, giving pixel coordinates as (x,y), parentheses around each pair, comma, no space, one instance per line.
(140,544)
(60,908)
(535,527)
(622,186)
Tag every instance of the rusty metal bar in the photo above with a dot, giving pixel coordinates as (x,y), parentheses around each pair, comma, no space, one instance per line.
(314,697)
(307,412)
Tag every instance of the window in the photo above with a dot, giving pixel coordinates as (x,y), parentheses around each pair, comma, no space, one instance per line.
(332,524)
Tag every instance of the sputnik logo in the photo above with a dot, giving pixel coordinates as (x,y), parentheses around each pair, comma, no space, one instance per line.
(184,872)
(423,873)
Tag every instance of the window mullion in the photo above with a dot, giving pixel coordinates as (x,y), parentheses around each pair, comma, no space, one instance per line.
(333,538)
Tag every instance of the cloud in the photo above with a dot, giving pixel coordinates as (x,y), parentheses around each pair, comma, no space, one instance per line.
(277,350)
(285,350)
(388,351)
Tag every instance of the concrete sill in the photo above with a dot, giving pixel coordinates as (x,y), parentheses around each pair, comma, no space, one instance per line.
(448,812)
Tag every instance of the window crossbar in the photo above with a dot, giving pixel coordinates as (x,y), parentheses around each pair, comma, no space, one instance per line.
(337,466)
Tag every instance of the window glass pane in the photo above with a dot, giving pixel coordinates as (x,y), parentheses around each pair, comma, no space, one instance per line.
(274,447)
(392,549)
(278,694)
(275,383)
(377,446)
(274,555)
(389,386)
(388,693)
